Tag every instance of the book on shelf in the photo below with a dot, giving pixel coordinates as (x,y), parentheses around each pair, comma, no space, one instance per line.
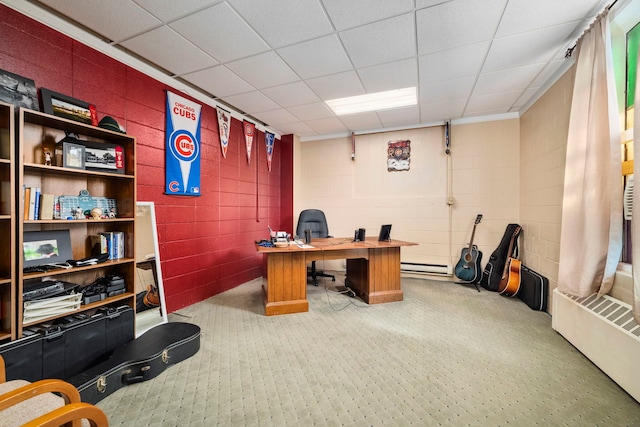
(47,202)
(32,203)
(115,244)
(26,200)
(36,205)
(98,244)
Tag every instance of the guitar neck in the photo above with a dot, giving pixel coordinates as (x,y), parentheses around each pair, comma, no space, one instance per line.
(509,252)
(473,233)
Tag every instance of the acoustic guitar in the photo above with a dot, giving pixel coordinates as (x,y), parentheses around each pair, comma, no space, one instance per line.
(510,281)
(468,267)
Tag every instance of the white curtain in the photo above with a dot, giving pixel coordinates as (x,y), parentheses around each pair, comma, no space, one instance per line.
(591,236)
(635,223)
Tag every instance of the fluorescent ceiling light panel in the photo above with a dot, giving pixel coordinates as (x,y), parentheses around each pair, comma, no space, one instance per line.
(374,101)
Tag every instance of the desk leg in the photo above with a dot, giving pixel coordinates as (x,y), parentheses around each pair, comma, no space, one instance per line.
(376,280)
(285,291)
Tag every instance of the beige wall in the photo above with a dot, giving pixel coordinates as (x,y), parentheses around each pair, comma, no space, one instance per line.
(507,170)
(484,179)
(543,145)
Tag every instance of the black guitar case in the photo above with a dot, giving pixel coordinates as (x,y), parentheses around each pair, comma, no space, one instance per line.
(142,359)
(68,346)
(494,268)
(534,289)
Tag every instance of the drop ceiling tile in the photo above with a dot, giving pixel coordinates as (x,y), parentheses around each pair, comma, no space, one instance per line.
(251,102)
(453,63)
(400,116)
(169,50)
(457,23)
(525,15)
(499,102)
(549,72)
(317,110)
(353,13)
(275,117)
(527,95)
(436,112)
(285,22)
(421,4)
(263,70)
(170,10)
(336,85)
(367,120)
(507,80)
(115,23)
(297,128)
(218,81)
(220,32)
(385,41)
(327,126)
(395,75)
(291,94)
(317,57)
(447,89)
(334,48)
(526,48)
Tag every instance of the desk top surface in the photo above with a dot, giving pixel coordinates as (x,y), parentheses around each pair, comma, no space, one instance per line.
(336,243)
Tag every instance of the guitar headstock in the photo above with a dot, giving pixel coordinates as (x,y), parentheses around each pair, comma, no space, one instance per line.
(478,218)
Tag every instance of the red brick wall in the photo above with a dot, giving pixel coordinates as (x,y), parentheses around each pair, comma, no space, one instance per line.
(206,242)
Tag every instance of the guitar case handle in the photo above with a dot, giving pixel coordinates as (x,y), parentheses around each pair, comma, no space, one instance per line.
(127,378)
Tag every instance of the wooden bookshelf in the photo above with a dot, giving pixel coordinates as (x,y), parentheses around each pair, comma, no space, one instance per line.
(39,131)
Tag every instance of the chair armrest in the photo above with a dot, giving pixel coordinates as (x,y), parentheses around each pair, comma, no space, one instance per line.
(3,375)
(69,392)
(74,413)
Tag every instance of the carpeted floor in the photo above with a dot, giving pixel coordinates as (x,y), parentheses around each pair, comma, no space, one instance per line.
(446,355)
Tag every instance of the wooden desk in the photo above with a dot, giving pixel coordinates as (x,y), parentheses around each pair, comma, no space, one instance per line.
(373,271)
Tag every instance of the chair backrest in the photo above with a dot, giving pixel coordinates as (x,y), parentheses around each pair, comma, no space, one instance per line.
(314,220)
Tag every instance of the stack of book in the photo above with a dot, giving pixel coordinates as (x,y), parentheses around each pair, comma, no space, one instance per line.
(38,205)
(108,242)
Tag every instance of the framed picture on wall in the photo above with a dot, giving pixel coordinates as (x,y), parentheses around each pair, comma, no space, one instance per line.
(70,108)
(18,90)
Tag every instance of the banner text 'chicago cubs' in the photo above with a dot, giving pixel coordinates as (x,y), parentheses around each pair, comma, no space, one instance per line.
(182,154)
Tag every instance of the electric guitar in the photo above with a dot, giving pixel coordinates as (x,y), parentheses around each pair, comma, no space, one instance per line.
(510,281)
(468,267)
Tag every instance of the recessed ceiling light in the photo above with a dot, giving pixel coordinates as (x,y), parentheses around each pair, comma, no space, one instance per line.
(374,101)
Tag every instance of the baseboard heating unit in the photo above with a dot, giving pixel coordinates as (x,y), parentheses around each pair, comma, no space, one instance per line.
(416,268)
(604,330)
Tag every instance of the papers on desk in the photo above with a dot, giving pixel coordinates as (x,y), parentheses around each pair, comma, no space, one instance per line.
(303,246)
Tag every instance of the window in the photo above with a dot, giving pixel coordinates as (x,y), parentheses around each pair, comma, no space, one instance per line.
(626,39)
(631,62)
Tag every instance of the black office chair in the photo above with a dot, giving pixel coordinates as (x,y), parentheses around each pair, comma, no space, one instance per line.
(314,220)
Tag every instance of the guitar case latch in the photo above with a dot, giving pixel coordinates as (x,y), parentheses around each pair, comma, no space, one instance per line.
(101,384)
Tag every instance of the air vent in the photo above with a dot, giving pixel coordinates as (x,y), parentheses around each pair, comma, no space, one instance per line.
(628,198)
(603,329)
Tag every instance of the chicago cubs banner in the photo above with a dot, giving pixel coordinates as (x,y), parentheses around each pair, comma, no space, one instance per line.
(182,153)
(269,139)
